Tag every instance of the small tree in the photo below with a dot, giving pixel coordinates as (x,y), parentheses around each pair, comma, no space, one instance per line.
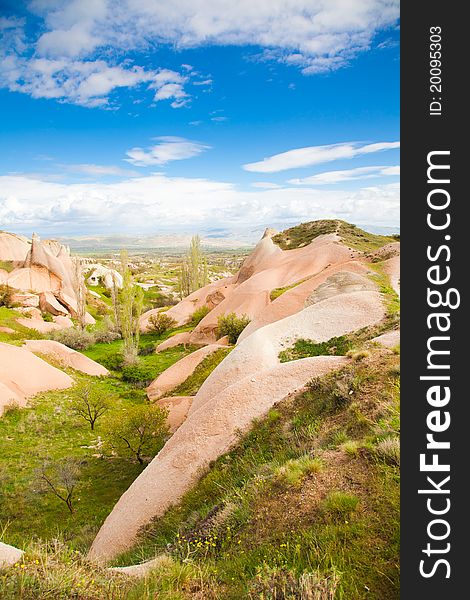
(232,326)
(61,479)
(160,322)
(137,433)
(89,404)
(80,291)
(194,274)
(6,295)
(199,314)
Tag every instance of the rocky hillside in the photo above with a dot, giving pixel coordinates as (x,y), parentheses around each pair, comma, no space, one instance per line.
(279,478)
(336,295)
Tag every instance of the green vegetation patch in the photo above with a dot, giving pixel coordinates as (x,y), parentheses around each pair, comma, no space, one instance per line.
(338,346)
(284,507)
(354,237)
(7,265)
(191,385)
(279,291)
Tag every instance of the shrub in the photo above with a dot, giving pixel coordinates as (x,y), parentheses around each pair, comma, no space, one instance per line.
(107,333)
(293,471)
(147,350)
(358,354)
(199,314)
(337,346)
(232,326)
(114,361)
(139,432)
(340,505)
(77,339)
(47,317)
(160,322)
(61,479)
(351,448)
(280,583)
(6,295)
(389,450)
(140,375)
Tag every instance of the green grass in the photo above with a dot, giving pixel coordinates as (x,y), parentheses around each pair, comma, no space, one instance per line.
(279,291)
(303,348)
(155,362)
(339,505)
(7,265)
(276,513)
(280,504)
(354,237)
(8,318)
(191,385)
(392,300)
(48,430)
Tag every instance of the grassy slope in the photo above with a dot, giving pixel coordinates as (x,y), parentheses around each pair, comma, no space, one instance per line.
(191,385)
(263,516)
(47,430)
(242,524)
(258,521)
(301,235)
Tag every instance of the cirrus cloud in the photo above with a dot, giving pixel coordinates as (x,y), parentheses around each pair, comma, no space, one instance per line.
(331,177)
(314,155)
(169,148)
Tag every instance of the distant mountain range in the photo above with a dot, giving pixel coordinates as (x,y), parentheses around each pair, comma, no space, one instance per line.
(216,240)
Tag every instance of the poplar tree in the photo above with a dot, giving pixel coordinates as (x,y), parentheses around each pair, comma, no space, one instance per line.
(130,301)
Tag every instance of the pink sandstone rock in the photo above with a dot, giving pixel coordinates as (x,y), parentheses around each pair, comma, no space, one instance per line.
(66,357)
(30,312)
(203,437)
(389,339)
(266,269)
(177,407)
(9,555)
(6,329)
(49,304)
(293,300)
(183,311)
(13,247)
(27,300)
(26,375)
(178,372)
(174,340)
(329,318)
(36,279)
(392,268)
(63,322)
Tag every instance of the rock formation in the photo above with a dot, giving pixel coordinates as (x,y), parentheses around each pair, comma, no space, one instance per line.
(66,357)
(23,375)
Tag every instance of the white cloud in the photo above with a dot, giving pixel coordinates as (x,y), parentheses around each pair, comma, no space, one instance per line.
(219,119)
(314,155)
(168,148)
(99,170)
(157,202)
(87,83)
(312,35)
(266,185)
(172,91)
(330,177)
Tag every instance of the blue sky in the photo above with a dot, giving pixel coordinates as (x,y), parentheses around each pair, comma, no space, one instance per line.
(140,117)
